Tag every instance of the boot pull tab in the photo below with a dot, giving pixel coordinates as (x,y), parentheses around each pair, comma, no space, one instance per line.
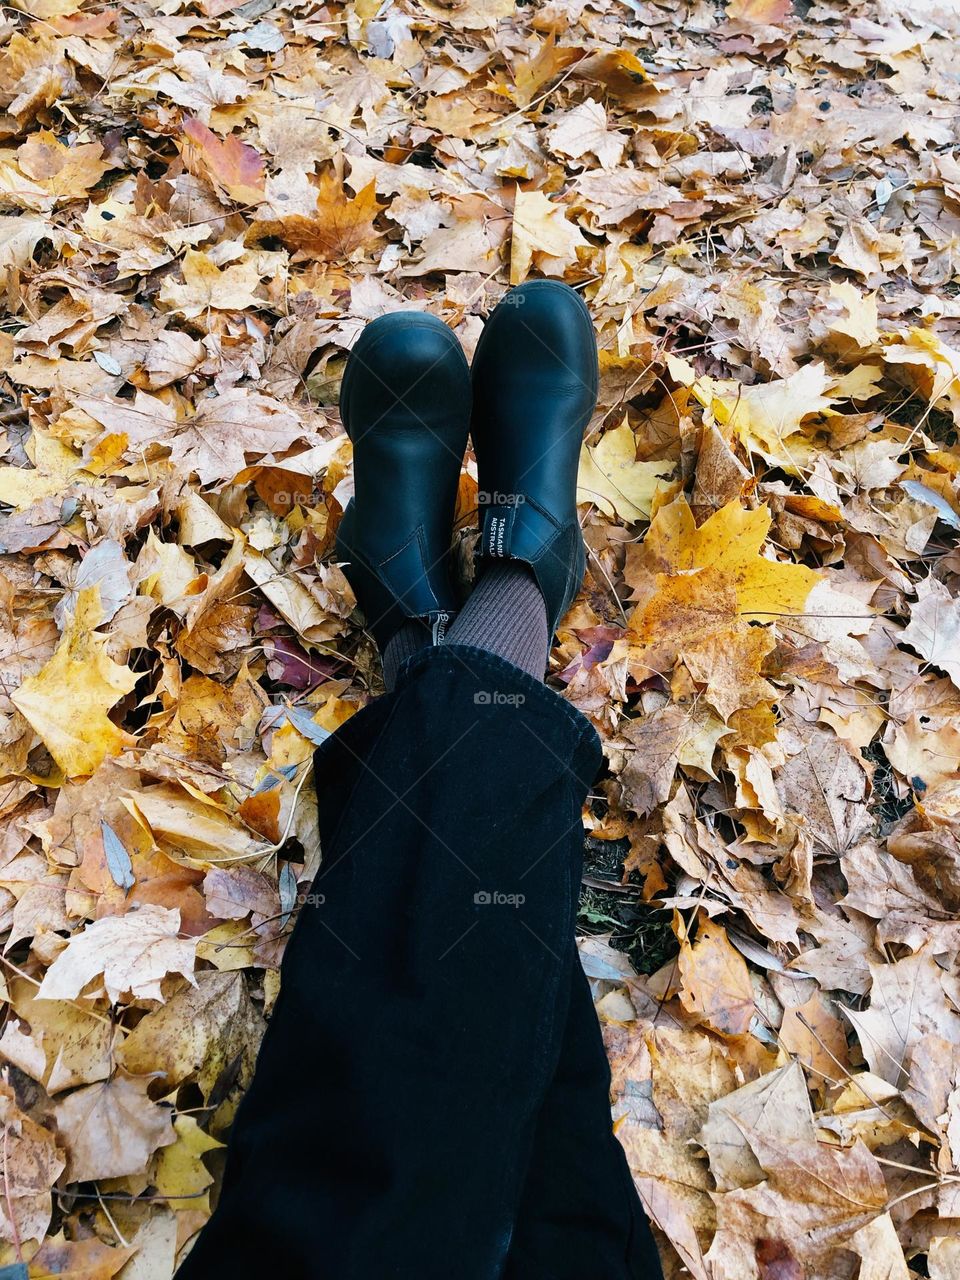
(439,623)
(497,531)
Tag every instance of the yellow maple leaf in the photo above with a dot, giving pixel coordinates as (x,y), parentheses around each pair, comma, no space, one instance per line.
(700,585)
(533,73)
(768,416)
(611,476)
(932,366)
(67,701)
(180,1173)
(207,286)
(541,228)
(729,542)
(55,467)
(859,323)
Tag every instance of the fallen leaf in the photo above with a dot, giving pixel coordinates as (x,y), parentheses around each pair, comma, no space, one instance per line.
(231,165)
(131,953)
(715,982)
(111,1128)
(542,235)
(611,476)
(31,1162)
(68,700)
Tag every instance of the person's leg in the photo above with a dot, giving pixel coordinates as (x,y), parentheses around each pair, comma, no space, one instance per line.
(580,1216)
(408,639)
(389,1125)
(506,615)
(534,389)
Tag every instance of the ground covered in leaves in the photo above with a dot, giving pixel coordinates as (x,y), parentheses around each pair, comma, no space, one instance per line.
(202,203)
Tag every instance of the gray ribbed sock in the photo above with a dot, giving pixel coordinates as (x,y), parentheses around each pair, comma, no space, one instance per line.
(506,614)
(411,638)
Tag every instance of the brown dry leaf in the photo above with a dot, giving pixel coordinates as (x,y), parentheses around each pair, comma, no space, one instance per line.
(925,750)
(928,840)
(66,172)
(825,786)
(199,1035)
(765,11)
(78,1259)
(111,1128)
(335,228)
(813,1199)
(585,129)
(190,828)
(934,628)
(31,1162)
(908,1002)
(776,1105)
(816,1036)
(715,982)
(76,1046)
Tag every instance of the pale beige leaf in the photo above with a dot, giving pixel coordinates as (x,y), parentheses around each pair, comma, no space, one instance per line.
(131,953)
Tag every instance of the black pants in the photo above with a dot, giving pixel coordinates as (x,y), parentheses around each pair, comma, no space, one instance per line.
(430,1101)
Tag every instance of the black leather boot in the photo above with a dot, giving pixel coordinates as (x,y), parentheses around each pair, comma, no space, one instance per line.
(535,381)
(405,403)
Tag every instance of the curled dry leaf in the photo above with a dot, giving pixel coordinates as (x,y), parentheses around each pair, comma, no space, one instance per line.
(131,953)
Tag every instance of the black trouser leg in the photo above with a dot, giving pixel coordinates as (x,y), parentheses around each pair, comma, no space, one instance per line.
(580,1217)
(394,1114)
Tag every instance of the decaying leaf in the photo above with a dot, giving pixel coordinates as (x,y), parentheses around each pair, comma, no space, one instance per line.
(131,953)
(111,1128)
